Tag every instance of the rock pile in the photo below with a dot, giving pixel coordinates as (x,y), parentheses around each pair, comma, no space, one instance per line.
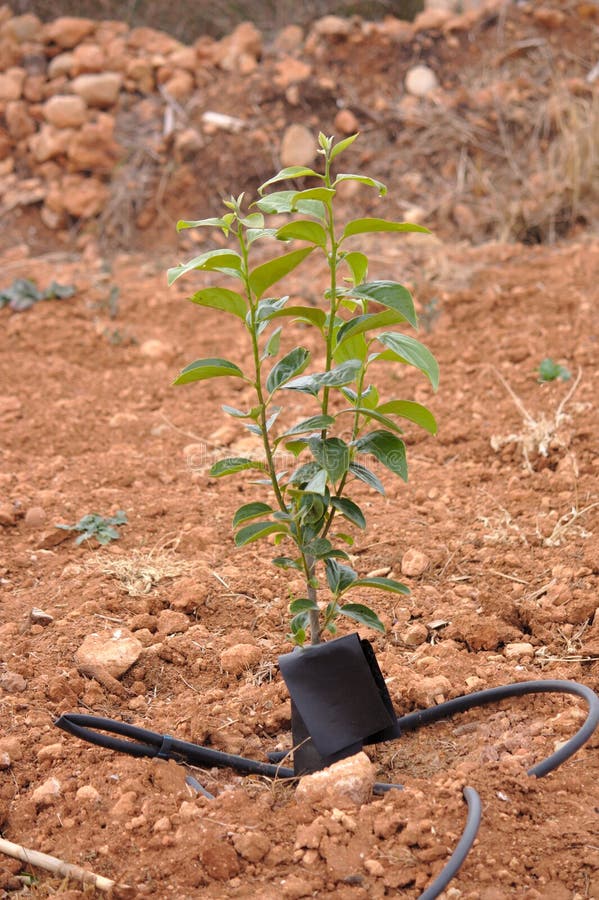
(85,105)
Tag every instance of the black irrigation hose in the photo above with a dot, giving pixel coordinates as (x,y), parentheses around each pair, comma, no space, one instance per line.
(159,746)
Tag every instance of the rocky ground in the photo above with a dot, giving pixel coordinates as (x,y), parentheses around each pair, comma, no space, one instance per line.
(484,126)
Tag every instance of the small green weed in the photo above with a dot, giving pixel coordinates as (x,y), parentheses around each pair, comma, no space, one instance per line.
(103,529)
(24,293)
(551,371)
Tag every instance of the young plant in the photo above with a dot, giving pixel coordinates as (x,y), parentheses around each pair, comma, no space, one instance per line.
(103,529)
(345,419)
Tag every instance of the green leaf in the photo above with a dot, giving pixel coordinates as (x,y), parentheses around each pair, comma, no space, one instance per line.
(550,371)
(354,347)
(289,366)
(362,324)
(322,194)
(237,413)
(227,261)
(369,226)
(414,412)
(272,345)
(314,423)
(368,477)
(303,230)
(282,202)
(371,182)
(234,464)
(342,374)
(318,482)
(202,223)
(349,510)
(262,277)
(362,614)
(302,604)
(358,264)
(387,448)
(221,298)
(286,174)
(250,511)
(390,294)
(332,454)
(408,350)
(342,145)
(250,533)
(339,577)
(383,584)
(295,447)
(370,414)
(320,548)
(310,314)
(304,473)
(212,367)
(298,626)
(285,562)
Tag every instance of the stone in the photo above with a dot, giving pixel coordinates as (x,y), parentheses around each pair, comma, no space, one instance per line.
(252,846)
(51,752)
(12,682)
(415,635)
(100,89)
(47,793)
(68,31)
(115,653)
(298,146)
(172,622)
(420,81)
(141,73)
(345,784)
(93,147)
(61,65)
(414,562)
(346,122)
(429,690)
(88,794)
(49,142)
(519,650)
(180,85)
(18,121)
(291,71)
(35,517)
(5,760)
(187,145)
(294,887)
(40,617)
(239,51)
(332,27)
(83,197)
(239,658)
(23,29)
(289,39)
(65,111)
(11,83)
(88,58)
(432,19)
(219,860)
(155,349)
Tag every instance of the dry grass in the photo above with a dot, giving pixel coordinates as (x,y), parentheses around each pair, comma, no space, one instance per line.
(140,571)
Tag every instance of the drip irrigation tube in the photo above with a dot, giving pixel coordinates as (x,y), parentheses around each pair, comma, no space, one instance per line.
(141,742)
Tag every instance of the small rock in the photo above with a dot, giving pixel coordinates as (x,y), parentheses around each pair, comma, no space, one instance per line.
(155,349)
(61,65)
(5,760)
(23,28)
(88,794)
(67,31)
(219,860)
(215,121)
(420,81)
(294,887)
(172,622)
(332,27)
(414,562)
(51,751)
(415,635)
(433,18)
(116,654)
(252,846)
(7,515)
(346,122)
(125,806)
(12,682)
(18,121)
(35,517)
(374,867)
(298,147)
(346,783)
(65,111)
(11,83)
(522,650)
(99,89)
(47,793)
(240,50)
(240,657)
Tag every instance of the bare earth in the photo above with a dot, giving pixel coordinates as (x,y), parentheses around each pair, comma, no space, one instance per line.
(503,502)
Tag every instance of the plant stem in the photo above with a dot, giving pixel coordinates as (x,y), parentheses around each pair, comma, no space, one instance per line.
(332,263)
(314,614)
